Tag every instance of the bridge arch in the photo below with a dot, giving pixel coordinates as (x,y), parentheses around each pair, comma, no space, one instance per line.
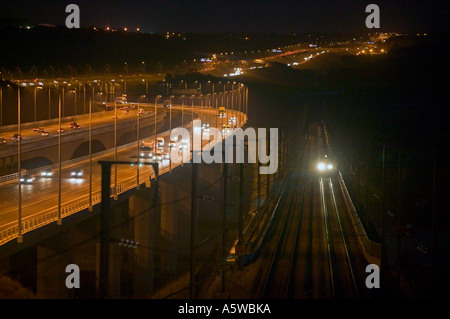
(83,149)
(38,161)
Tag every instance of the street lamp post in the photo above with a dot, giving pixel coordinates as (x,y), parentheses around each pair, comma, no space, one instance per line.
(49,102)
(1,105)
(192,113)
(182,109)
(35,88)
(156,102)
(90,149)
(19,168)
(115,141)
(63,104)
(201,107)
(138,140)
(84,98)
(59,220)
(170,140)
(75,100)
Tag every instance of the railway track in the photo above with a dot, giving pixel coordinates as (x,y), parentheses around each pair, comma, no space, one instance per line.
(281,268)
(312,251)
(342,273)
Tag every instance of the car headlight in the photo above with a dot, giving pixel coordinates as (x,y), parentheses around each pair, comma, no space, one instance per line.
(321,166)
(142,154)
(22,180)
(80,174)
(73,174)
(29,180)
(43,174)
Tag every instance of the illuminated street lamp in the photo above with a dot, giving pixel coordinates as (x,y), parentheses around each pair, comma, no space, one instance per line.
(19,159)
(156,101)
(1,105)
(138,138)
(35,88)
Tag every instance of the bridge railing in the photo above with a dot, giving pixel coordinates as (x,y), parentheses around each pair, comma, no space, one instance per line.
(29,223)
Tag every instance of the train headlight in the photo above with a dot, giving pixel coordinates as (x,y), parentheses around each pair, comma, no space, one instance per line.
(330,166)
(321,166)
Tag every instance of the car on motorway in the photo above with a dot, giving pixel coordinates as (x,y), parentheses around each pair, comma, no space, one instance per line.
(38,129)
(159,154)
(74,125)
(173,141)
(77,173)
(222,112)
(62,130)
(44,133)
(115,117)
(47,173)
(26,179)
(160,141)
(184,144)
(16,137)
(226,128)
(167,103)
(3,141)
(146,151)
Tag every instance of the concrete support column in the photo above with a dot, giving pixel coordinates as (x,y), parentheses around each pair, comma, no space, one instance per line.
(169,227)
(115,264)
(140,206)
(51,266)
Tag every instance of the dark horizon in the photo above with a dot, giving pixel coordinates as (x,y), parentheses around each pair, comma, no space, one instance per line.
(199,16)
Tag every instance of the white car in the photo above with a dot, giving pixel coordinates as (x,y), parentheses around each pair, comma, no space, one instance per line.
(173,142)
(160,141)
(47,173)
(76,173)
(26,179)
(146,152)
(158,155)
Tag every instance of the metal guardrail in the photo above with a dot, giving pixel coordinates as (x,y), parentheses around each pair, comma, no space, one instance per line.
(10,231)
(370,249)
(50,215)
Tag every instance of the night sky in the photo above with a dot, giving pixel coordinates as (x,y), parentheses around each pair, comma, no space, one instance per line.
(282,16)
